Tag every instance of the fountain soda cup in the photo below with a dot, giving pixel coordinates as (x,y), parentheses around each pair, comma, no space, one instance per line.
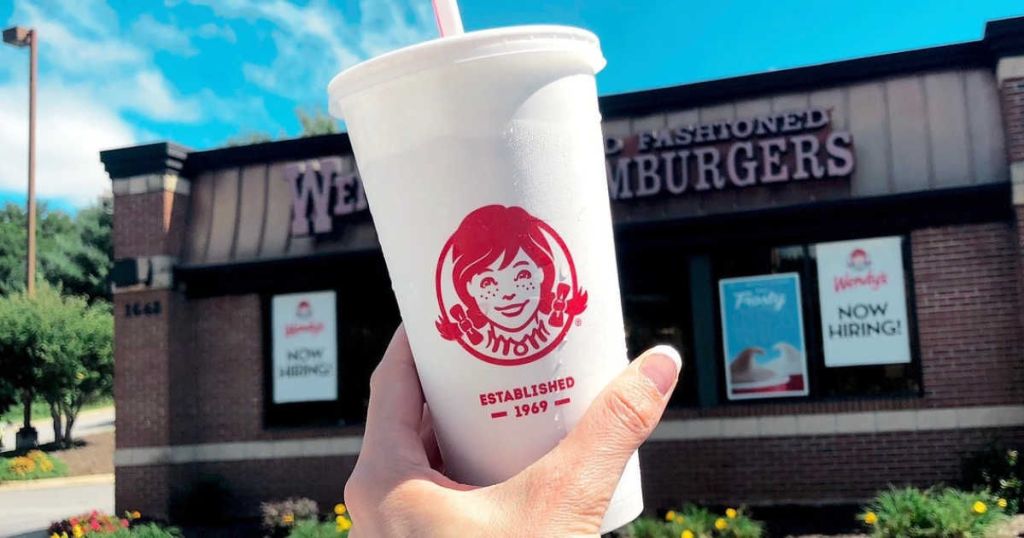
(482,159)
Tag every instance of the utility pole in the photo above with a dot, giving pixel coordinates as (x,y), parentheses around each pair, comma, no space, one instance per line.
(27,37)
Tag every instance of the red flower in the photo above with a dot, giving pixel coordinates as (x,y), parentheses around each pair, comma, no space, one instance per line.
(73,521)
(95,525)
(124,523)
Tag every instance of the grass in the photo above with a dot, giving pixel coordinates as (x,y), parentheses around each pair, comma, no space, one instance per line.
(41,410)
(32,466)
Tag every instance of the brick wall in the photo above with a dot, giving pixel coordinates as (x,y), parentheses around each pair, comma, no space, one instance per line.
(149,224)
(141,387)
(968,311)
(1012,95)
(805,470)
(965,281)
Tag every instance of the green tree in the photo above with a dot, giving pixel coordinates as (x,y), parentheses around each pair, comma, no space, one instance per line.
(73,253)
(83,258)
(248,138)
(316,122)
(59,348)
(8,395)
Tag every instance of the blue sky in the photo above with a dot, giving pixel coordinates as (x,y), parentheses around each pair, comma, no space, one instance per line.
(123,72)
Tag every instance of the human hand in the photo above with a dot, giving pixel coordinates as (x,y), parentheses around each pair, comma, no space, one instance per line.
(397,488)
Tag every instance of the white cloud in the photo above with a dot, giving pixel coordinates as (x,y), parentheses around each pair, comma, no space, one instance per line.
(83,51)
(314,41)
(169,37)
(91,76)
(210,30)
(71,130)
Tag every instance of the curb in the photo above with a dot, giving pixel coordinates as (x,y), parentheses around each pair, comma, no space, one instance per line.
(84,480)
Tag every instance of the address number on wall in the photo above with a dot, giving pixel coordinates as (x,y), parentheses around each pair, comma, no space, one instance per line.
(139,309)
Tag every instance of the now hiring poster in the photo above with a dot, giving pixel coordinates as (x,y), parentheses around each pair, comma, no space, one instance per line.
(863,302)
(763,336)
(305,359)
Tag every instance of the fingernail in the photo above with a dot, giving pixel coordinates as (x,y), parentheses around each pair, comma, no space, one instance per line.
(661,364)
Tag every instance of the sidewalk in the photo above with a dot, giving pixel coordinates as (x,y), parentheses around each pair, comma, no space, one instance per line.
(27,511)
(88,422)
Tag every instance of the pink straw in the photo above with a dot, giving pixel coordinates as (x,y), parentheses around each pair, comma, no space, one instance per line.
(446,14)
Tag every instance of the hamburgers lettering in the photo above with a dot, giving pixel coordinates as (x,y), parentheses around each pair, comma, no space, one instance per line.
(740,153)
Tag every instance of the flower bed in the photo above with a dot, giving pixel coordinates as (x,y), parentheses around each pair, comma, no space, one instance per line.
(696,522)
(300,518)
(97,524)
(33,465)
(933,513)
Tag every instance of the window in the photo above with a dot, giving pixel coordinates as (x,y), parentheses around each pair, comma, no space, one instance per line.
(858,355)
(656,310)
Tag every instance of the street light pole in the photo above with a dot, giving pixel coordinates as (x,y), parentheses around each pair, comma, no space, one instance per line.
(30,268)
(27,37)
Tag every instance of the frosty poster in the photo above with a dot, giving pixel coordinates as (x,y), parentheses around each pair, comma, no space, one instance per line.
(763,336)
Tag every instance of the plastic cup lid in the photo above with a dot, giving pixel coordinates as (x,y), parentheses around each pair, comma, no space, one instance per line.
(465,48)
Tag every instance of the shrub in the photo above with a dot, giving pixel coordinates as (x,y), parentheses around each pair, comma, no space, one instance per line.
(999,470)
(33,465)
(98,524)
(696,522)
(933,513)
(279,517)
(317,529)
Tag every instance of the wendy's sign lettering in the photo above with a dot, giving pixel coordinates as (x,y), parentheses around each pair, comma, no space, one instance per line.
(322,189)
(728,154)
(691,159)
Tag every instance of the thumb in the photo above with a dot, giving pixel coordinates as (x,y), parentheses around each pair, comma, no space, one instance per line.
(618,421)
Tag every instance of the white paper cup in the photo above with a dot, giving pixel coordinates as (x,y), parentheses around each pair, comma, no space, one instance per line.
(482,160)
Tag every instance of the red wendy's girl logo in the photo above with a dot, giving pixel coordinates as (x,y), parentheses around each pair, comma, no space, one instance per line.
(506,286)
(304,310)
(859,260)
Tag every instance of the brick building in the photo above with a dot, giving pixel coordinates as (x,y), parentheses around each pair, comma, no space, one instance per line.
(899,175)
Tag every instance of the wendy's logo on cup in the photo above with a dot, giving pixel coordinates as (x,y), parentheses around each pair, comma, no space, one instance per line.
(506,286)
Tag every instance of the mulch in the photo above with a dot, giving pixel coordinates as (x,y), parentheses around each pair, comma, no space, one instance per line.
(92,454)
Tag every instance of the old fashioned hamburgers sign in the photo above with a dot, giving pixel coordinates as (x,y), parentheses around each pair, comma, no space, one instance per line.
(690,159)
(728,154)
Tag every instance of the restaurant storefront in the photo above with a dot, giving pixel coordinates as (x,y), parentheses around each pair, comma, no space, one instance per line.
(835,249)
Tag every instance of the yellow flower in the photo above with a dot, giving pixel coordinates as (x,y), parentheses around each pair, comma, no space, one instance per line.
(679,519)
(1001,502)
(721,524)
(687,534)
(343,523)
(670,515)
(77,531)
(22,465)
(340,509)
(136,514)
(979,507)
(730,513)
(54,535)
(288,519)
(870,518)
(64,535)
